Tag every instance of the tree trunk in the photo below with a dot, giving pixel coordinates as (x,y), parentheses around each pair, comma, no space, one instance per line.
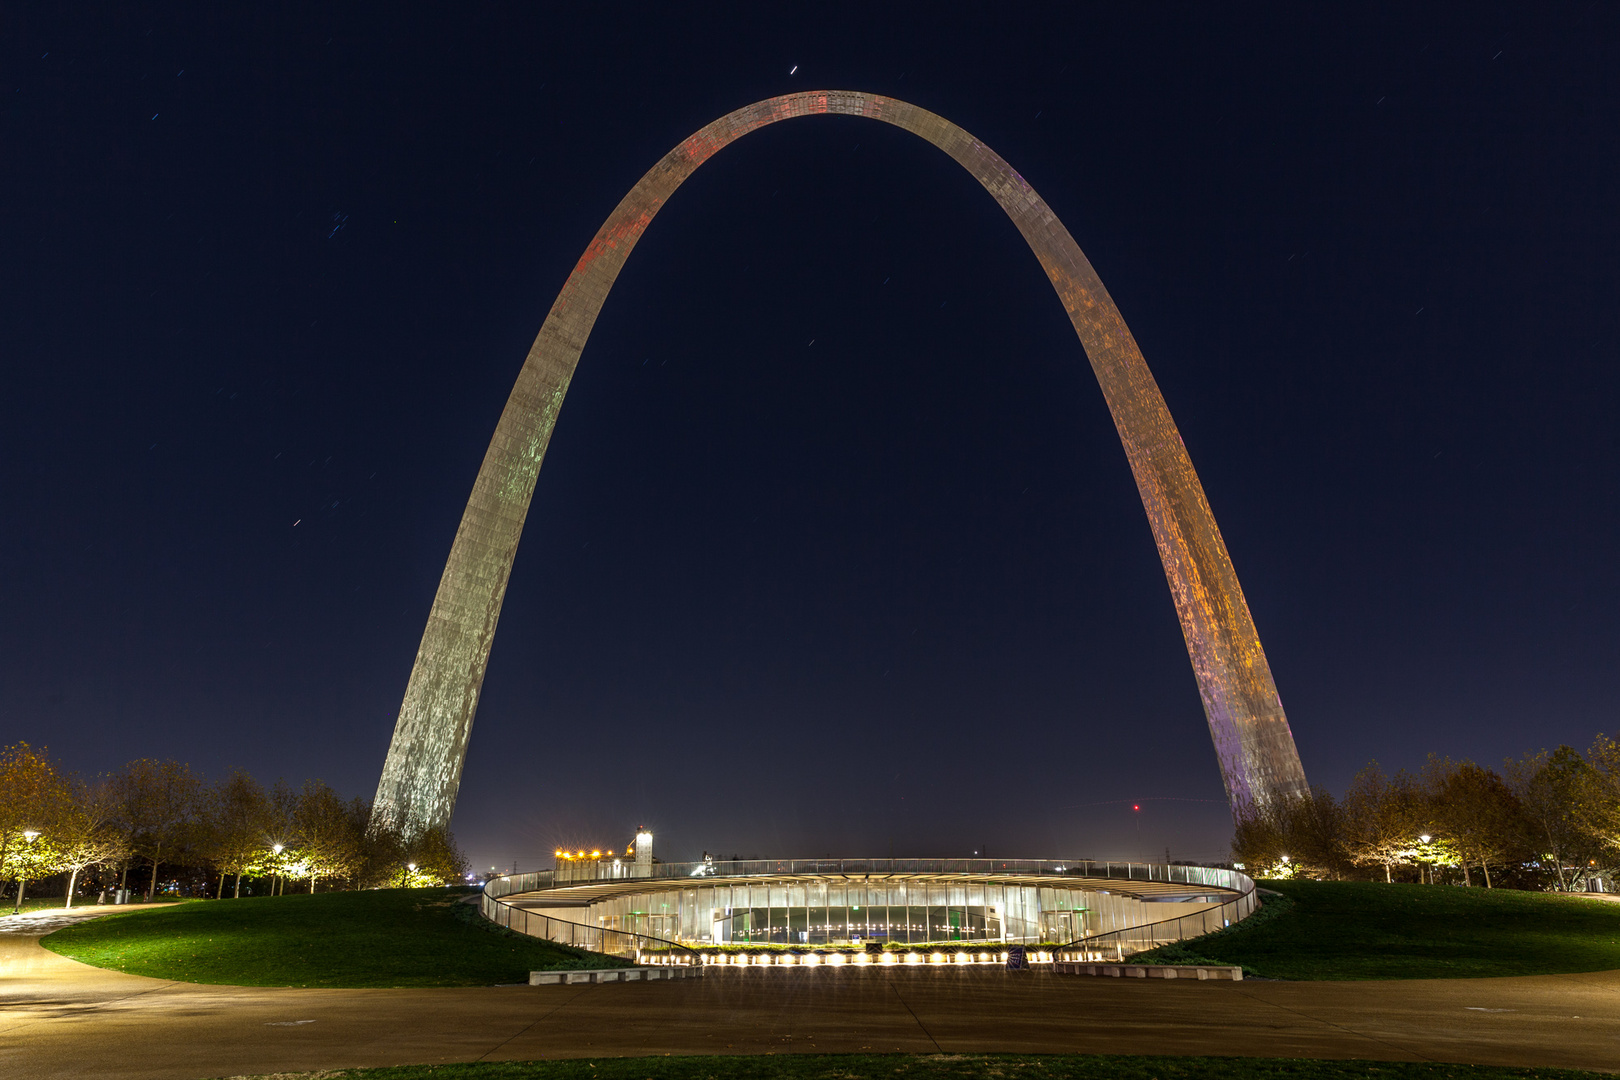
(1558,862)
(221,895)
(238,893)
(22,887)
(123,875)
(151,890)
(1387,879)
(72,877)
(1467,881)
(1485,868)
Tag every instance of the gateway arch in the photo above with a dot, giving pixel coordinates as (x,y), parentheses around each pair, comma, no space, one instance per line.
(1252,739)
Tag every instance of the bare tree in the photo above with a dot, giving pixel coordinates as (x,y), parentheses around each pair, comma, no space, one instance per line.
(159,802)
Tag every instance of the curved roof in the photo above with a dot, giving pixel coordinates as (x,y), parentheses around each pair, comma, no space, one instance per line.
(1143,881)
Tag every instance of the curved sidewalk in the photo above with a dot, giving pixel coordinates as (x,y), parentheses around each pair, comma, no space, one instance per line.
(59,1018)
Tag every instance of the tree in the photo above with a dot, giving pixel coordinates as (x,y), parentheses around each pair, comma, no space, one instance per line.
(434,858)
(33,799)
(239,820)
(1599,802)
(160,803)
(391,861)
(325,833)
(1383,818)
(1550,788)
(88,832)
(1292,835)
(1474,808)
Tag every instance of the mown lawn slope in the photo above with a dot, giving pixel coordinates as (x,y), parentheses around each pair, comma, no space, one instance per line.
(1369,930)
(386,937)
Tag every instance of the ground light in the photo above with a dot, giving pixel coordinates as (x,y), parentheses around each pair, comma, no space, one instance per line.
(787,959)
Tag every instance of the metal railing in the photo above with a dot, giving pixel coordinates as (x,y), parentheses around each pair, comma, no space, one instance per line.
(599,939)
(1118,944)
(1195,876)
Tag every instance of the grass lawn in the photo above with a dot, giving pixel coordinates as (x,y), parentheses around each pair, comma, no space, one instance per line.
(40,903)
(386,937)
(949,1067)
(1369,930)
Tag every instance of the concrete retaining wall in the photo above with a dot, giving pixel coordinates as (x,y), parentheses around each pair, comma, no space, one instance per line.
(1152,971)
(607,975)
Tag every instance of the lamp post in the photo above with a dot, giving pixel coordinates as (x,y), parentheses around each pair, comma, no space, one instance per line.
(1423,863)
(275,867)
(29,835)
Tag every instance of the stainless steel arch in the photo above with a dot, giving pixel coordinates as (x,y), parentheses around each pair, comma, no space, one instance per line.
(1253,742)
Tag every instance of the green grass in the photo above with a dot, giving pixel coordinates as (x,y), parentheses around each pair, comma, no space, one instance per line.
(80,903)
(387,937)
(949,1067)
(1369,930)
(38,903)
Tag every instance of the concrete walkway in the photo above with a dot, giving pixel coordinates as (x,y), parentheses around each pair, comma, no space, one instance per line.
(59,1018)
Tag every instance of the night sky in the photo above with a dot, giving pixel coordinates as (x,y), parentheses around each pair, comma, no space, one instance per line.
(835,549)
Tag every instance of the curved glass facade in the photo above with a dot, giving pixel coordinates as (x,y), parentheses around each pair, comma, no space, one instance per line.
(839,904)
(842,913)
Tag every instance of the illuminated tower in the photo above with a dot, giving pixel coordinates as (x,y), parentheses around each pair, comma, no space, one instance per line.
(1252,739)
(643,847)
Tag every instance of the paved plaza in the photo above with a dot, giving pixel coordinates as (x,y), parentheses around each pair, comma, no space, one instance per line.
(59,1018)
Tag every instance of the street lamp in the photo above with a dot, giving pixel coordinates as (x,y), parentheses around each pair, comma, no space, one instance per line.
(275,874)
(1422,863)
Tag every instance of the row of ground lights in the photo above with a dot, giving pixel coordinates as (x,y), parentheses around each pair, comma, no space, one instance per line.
(855,960)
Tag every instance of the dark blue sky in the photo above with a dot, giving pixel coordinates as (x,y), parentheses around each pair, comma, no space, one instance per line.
(888,592)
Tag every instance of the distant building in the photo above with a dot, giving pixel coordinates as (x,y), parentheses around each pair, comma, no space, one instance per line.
(607,864)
